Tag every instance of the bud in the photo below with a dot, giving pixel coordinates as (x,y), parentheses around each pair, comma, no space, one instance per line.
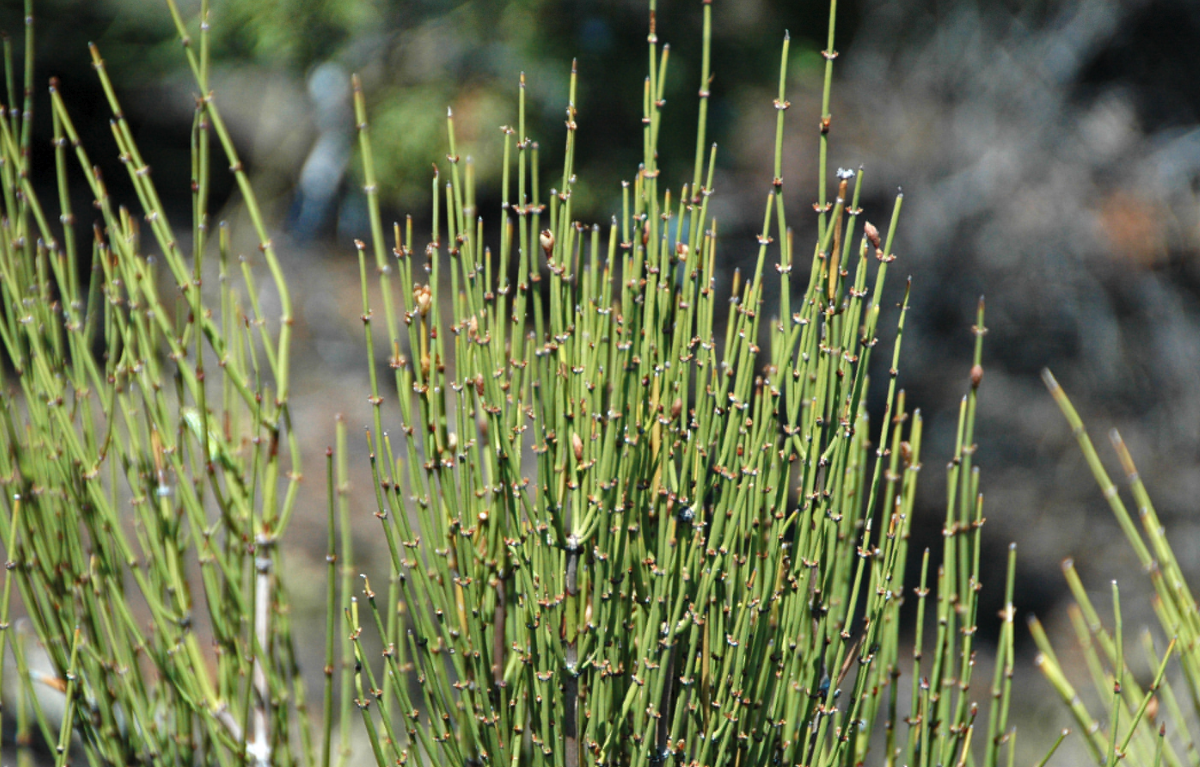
(976,376)
(479,384)
(577,446)
(676,408)
(681,250)
(423,297)
(546,238)
(872,234)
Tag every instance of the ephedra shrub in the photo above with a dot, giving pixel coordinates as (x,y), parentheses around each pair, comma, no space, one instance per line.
(619,531)
(1141,723)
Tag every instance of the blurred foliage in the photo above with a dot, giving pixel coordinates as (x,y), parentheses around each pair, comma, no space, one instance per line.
(266,32)
(418,57)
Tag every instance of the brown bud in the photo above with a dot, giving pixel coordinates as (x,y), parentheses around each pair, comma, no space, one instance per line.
(676,408)
(479,384)
(681,250)
(976,376)
(872,234)
(546,238)
(577,446)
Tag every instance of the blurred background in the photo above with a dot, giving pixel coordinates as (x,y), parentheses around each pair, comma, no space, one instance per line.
(1049,153)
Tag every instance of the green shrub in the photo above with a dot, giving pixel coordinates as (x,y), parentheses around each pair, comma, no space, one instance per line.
(619,532)
(1137,718)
